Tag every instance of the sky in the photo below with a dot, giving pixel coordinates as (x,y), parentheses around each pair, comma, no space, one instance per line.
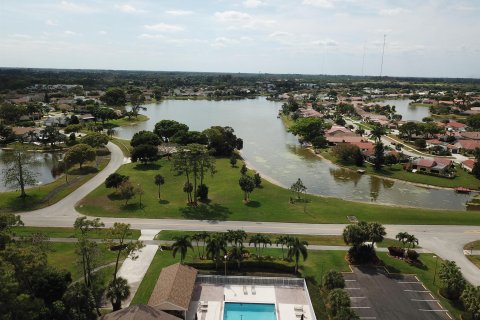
(424,38)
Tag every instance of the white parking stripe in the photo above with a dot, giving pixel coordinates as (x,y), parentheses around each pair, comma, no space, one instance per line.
(416,290)
(360,307)
(349,280)
(416,282)
(428,310)
(357,297)
(424,300)
(352,288)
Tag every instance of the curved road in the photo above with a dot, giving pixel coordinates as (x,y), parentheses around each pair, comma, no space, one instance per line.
(446,241)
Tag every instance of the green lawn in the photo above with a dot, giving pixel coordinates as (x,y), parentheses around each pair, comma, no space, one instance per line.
(475,245)
(124,145)
(128,122)
(475,260)
(269,203)
(56,232)
(63,256)
(48,194)
(463,178)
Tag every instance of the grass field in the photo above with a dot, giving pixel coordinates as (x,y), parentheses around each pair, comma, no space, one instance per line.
(48,194)
(475,260)
(124,145)
(129,122)
(463,178)
(268,203)
(63,256)
(56,232)
(475,245)
(317,264)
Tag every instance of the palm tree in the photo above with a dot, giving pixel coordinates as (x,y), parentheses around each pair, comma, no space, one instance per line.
(236,253)
(377,133)
(216,247)
(182,243)
(117,291)
(256,240)
(283,241)
(239,237)
(402,237)
(412,241)
(376,232)
(298,248)
(159,181)
(265,240)
(197,237)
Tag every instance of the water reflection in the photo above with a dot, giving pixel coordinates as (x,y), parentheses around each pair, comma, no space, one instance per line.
(408,111)
(275,153)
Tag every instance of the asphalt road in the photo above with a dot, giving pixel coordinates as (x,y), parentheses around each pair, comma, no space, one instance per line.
(446,241)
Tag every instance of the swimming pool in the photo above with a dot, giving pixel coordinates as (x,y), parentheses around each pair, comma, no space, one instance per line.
(249,311)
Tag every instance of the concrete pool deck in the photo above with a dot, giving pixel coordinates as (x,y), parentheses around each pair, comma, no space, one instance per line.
(208,300)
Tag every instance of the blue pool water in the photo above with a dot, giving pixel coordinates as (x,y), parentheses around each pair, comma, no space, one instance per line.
(249,311)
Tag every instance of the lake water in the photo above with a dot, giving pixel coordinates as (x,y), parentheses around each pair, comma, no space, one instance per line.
(408,112)
(275,153)
(46,162)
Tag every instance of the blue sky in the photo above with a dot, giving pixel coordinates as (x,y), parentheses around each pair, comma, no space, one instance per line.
(423,38)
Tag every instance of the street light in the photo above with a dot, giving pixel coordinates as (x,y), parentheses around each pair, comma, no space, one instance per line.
(435,274)
(225,262)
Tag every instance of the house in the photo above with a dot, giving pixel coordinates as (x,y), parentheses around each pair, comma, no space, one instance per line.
(432,165)
(174,289)
(60,119)
(468,165)
(333,140)
(367,148)
(139,312)
(432,143)
(473,135)
(467,145)
(336,131)
(455,126)
(22,132)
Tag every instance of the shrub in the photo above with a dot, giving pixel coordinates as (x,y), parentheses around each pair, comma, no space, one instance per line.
(202,191)
(452,279)
(337,300)
(412,255)
(333,280)
(396,251)
(362,254)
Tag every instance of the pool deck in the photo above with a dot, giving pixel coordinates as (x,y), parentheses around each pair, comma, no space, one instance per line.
(208,300)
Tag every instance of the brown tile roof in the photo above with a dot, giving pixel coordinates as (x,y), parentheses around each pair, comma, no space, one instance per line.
(139,312)
(20,131)
(174,288)
(471,135)
(468,144)
(346,139)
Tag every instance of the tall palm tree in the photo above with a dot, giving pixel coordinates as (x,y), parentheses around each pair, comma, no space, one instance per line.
(117,291)
(256,240)
(236,253)
(377,133)
(265,240)
(182,243)
(376,232)
(298,248)
(216,247)
(240,236)
(197,237)
(402,237)
(412,241)
(159,181)
(283,241)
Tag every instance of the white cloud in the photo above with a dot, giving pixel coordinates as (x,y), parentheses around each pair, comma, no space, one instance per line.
(163,27)
(253,3)
(393,11)
(150,36)
(102,32)
(241,20)
(325,43)
(179,12)
(19,36)
(221,42)
(76,8)
(319,3)
(280,34)
(127,8)
(70,33)
(51,23)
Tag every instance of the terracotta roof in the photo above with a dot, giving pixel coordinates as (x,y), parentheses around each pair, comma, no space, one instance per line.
(469,163)
(139,312)
(427,163)
(471,135)
(364,145)
(20,131)
(468,144)
(347,139)
(444,161)
(456,124)
(337,128)
(174,288)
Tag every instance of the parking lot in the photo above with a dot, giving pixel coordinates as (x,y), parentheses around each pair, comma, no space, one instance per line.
(377,294)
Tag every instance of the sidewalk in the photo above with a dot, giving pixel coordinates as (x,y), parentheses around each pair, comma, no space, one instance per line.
(135,270)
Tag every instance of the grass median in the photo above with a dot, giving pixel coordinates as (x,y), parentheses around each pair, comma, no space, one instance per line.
(268,203)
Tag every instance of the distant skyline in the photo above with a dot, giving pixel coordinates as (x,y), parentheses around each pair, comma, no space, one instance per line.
(431,38)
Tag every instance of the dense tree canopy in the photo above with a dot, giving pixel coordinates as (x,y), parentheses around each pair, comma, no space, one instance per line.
(95,140)
(79,154)
(114,97)
(145,137)
(222,141)
(166,129)
(308,128)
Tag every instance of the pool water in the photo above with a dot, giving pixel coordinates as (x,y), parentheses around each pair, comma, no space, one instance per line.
(249,311)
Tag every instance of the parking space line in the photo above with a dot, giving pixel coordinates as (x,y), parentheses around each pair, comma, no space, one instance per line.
(431,295)
(370,318)
(424,300)
(416,282)
(357,297)
(417,278)
(435,310)
(352,288)
(449,315)
(424,286)
(360,307)
(346,280)
(439,305)
(408,290)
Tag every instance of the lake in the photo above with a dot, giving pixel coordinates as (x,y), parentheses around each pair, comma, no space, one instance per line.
(408,112)
(275,153)
(46,162)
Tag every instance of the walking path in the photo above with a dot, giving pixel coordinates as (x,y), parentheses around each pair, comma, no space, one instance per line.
(134,269)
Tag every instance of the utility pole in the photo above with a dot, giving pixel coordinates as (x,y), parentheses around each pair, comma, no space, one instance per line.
(383,53)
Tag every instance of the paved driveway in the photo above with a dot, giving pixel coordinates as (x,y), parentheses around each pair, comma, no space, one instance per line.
(376,294)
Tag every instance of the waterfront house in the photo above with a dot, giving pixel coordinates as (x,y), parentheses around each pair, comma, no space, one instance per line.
(467,145)
(455,126)
(440,166)
(468,165)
